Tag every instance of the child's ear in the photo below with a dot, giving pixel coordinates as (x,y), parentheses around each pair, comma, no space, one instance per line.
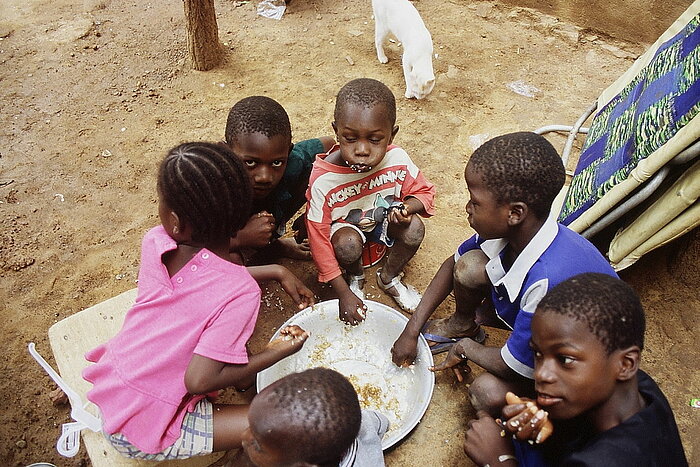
(174,221)
(629,363)
(393,133)
(335,129)
(181,231)
(517,213)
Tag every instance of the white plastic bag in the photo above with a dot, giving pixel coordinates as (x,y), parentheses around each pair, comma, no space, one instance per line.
(272,8)
(523,88)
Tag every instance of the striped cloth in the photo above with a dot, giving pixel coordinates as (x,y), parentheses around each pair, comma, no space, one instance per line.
(662,98)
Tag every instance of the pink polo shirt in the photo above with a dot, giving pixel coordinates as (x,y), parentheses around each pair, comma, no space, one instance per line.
(209,307)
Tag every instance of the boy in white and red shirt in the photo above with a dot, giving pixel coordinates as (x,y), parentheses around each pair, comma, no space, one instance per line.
(365,189)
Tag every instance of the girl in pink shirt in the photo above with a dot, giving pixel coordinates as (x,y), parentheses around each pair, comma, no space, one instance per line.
(185,337)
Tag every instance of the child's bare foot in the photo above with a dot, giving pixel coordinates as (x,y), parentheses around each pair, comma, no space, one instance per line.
(289,248)
(58,397)
(454,328)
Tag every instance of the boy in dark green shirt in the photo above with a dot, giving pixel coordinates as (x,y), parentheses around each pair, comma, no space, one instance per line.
(258,131)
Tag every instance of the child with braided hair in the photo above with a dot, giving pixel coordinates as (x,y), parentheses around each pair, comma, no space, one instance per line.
(185,337)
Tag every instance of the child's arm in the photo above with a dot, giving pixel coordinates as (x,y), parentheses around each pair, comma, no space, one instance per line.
(403,215)
(300,294)
(257,232)
(488,358)
(404,350)
(318,222)
(205,375)
(236,458)
(351,309)
(415,185)
(485,445)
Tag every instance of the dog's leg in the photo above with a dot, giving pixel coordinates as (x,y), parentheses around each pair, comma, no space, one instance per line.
(407,75)
(380,33)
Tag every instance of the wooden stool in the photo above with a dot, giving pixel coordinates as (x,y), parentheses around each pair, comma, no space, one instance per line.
(70,339)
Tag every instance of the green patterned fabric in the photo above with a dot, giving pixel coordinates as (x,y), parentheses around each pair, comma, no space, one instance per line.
(662,98)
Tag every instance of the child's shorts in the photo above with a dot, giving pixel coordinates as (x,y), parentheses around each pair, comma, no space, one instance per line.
(196,437)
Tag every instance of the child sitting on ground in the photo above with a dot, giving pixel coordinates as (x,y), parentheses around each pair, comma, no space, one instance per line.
(366,189)
(258,131)
(587,336)
(518,253)
(185,337)
(312,418)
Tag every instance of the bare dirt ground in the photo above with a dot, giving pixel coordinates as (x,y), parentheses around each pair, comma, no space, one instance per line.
(95,92)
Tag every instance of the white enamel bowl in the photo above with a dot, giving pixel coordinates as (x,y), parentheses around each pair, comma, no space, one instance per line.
(363,354)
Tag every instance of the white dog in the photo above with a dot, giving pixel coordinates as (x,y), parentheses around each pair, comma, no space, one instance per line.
(400,18)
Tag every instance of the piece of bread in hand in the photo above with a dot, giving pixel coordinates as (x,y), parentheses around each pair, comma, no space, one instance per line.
(547,427)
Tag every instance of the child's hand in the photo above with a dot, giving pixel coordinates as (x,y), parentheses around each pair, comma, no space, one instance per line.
(351,310)
(399,215)
(456,362)
(289,248)
(300,294)
(404,350)
(257,232)
(290,341)
(525,420)
(484,444)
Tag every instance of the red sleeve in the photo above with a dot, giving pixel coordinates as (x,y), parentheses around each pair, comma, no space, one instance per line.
(421,189)
(318,225)
(322,250)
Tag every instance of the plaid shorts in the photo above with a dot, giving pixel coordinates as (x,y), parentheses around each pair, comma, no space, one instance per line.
(196,437)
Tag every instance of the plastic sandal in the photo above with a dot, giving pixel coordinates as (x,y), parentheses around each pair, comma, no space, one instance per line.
(356,283)
(443,344)
(407,297)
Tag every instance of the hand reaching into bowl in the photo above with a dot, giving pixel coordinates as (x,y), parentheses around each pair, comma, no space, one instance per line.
(300,294)
(295,288)
(290,341)
(351,310)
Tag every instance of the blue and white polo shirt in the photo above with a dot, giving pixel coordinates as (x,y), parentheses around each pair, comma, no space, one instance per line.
(553,255)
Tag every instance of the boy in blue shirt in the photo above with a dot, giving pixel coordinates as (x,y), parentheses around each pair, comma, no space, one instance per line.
(259,133)
(587,337)
(500,274)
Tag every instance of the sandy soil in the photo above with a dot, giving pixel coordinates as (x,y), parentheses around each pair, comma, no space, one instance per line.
(95,92)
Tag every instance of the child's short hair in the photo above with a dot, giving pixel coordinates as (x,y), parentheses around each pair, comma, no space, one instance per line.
(257,114)
(208,188)
(320,408)
(366,92)
(522,167)
(607,305)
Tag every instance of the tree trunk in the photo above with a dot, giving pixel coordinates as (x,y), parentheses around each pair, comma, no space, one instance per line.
(202,34)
